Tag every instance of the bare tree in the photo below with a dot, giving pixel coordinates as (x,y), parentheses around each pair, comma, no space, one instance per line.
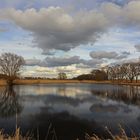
(131,71)
(111,73)
(137,74)
(10,65)
(62,76)
(124,70)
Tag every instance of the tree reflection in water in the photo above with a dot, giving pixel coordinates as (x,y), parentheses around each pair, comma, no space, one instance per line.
(9,102)
(128,95)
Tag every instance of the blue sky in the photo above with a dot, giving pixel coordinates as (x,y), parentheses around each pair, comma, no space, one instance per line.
(70,36)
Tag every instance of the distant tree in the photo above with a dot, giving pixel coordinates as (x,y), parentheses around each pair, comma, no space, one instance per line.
(125,71)
(137,70)
(10,65)
(94,75)
(99,75)
(84,77)
(62,76)
(111,73)
(131,71)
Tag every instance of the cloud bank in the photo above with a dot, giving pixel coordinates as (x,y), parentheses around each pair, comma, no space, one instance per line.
(54,28)
(64,61)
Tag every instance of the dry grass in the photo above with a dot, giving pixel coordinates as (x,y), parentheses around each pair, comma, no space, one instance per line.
(121,136)
(16,136)
(2,82)
(45,81)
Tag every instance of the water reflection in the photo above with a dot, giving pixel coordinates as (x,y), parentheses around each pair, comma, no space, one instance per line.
(9,102)
(72,109)
(126,94)
(66,125)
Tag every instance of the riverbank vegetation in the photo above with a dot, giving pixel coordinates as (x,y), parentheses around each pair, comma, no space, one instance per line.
(127,72)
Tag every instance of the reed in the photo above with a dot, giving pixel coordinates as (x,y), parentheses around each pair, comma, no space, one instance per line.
(121,136)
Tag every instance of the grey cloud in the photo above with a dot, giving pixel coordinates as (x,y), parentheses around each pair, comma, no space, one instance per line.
(93,62)
(63,61)
(133,60)
(59,61)
(108,55)
(32,62)
(56,61)
(54,28)
(123,16)
(103,54)
(123,55)
(126,53)
(48,52)
(117,2)
(137,47)
(62,3)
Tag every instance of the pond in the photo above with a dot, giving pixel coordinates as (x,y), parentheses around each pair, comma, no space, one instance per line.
(68,111)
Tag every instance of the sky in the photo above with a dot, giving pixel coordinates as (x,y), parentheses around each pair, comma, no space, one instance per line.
(71,36)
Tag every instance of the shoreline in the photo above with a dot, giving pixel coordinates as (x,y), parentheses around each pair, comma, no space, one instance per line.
(45,81)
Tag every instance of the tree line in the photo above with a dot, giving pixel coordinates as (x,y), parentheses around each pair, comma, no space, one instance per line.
(126,71)
(97,74)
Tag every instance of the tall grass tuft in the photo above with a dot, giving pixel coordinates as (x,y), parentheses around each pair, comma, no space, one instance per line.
(121,136)
(16,136)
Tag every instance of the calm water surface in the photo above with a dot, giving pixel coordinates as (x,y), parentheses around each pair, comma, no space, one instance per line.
(70,110)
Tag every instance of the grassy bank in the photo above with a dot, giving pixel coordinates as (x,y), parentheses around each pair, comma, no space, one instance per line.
(2,82)
(45,81)
(41,81)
